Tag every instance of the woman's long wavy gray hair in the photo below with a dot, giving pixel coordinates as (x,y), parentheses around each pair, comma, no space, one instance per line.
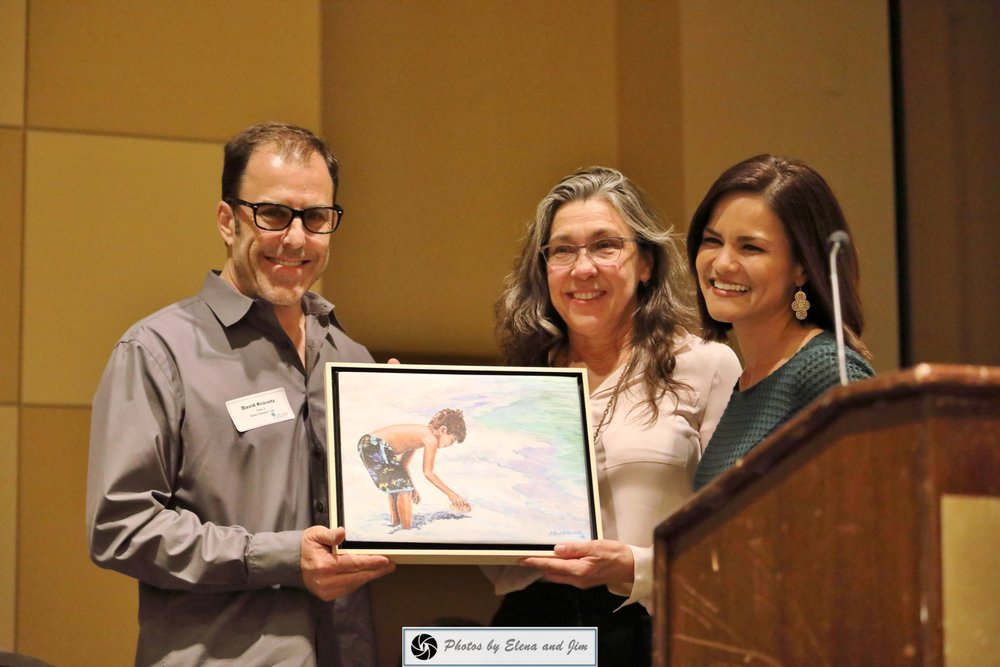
(530,330)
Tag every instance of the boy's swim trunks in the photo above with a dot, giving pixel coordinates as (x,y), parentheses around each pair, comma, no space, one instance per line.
(387,472)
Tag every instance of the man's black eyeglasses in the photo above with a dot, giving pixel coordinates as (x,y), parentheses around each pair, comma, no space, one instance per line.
(276,217)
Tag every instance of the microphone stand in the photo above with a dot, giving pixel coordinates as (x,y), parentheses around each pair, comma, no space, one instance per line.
(835,240)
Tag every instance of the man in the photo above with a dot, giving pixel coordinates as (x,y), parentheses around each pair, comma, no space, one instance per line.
(207,477)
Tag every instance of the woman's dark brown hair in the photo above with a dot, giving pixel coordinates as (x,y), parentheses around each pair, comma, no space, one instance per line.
(807,208)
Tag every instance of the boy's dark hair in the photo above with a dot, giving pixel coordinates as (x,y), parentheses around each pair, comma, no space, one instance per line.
(453,419)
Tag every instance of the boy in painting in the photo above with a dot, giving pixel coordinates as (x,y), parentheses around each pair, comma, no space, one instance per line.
(387,452)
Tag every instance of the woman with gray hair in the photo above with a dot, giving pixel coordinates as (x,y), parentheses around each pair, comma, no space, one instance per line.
(601,285)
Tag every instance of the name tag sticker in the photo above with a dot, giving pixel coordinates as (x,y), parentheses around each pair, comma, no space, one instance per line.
(256,410)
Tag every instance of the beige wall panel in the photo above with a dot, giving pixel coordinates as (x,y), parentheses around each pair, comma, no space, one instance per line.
(115,229)
(810,80)
(187,69)
(70,612)
(8,525)
(11,225)
(649,103)
(452,119)
(12,21)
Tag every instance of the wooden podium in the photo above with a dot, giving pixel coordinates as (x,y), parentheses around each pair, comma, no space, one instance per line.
(823,547)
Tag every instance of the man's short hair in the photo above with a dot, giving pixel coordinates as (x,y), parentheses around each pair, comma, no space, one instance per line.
(291,141)
(453,419)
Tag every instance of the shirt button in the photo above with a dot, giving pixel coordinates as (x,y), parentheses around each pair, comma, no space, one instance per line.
(319,506)
(318,450)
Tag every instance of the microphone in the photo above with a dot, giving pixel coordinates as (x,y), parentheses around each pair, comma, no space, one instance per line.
(834,242)
(839,236)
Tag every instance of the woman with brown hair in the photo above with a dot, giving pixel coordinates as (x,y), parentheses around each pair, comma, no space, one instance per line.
(757,247)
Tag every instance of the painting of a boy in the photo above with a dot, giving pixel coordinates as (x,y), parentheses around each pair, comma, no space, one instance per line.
(387,452)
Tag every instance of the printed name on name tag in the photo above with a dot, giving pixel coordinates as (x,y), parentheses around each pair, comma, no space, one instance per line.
(256,410)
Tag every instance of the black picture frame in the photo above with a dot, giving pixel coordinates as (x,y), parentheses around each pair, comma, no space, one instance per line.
(526,468)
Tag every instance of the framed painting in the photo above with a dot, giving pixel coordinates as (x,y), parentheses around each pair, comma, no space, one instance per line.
(460,464)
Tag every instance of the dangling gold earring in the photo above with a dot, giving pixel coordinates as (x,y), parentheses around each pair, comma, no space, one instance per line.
(800,305)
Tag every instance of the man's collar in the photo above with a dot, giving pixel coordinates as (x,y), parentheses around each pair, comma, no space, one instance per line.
(230,305)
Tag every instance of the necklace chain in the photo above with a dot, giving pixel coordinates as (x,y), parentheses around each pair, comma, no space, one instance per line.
(609,409)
